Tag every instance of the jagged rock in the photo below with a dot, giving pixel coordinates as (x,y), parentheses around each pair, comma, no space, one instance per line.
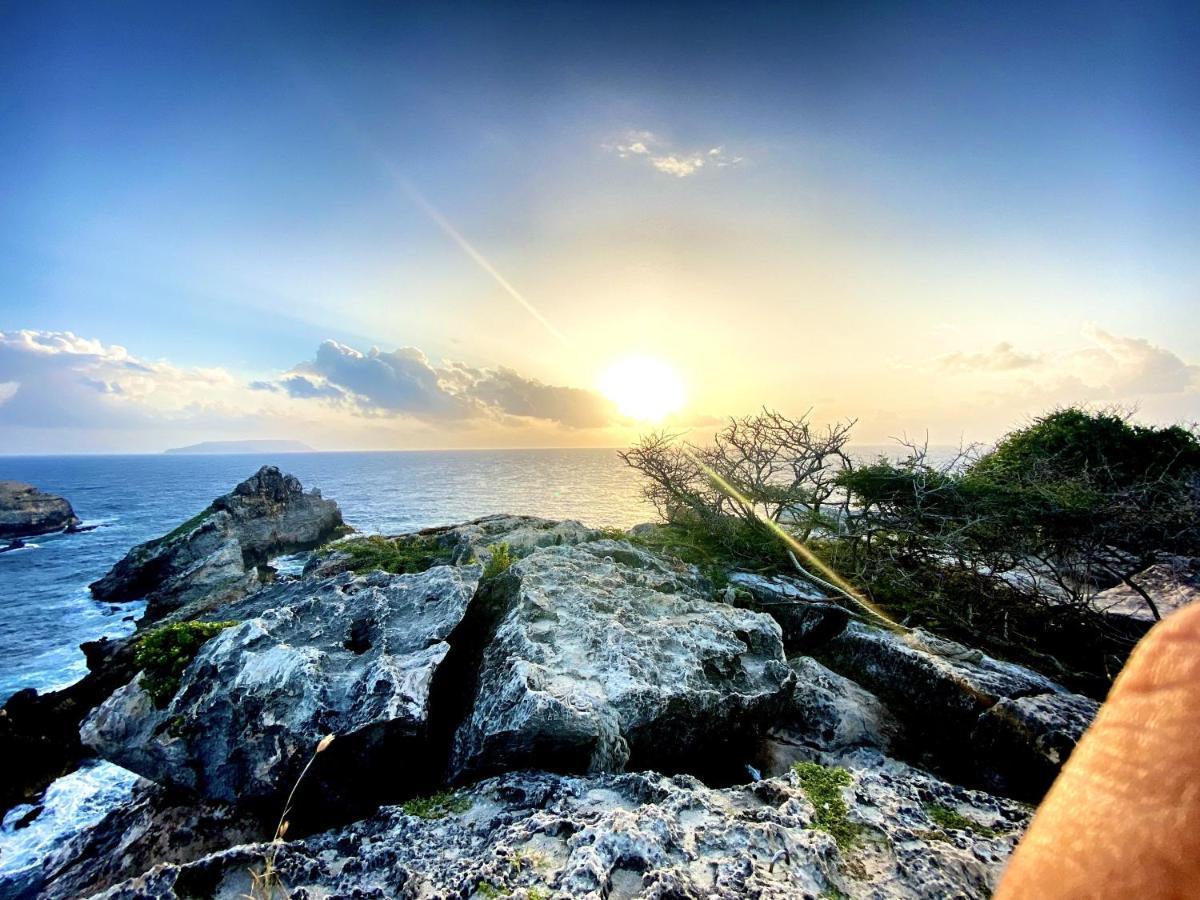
(807,617)
(957,684)
(213,558)
(1028,739)
(354,656)
(469,542)
(607,656)
(154,827)
(530,835)
(940,689)
(827,713)
(26,511)
(1171,584)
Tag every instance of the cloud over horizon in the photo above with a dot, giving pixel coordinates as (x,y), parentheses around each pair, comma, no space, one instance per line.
(405,382)
(1113,368)
(58,381)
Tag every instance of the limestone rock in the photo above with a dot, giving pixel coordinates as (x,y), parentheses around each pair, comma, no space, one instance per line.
(532,834)
(213,558)
(607,656)
(154,827)
(352,656)
(468,542)
(940,690)
(1171,584)
(827,713)
(1028,739)
(26,511)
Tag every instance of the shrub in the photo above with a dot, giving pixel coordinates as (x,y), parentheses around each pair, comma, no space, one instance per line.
(403,555)
(499,562)
(164,653)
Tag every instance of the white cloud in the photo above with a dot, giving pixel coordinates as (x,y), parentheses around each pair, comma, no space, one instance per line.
(667,159)
(1001,358)
(1112,369)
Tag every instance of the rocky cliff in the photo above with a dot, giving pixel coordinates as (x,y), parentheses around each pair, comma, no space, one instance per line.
(26,511)
(214,556)
(529,708)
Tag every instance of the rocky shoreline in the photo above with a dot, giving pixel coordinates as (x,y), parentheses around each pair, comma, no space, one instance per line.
(529,708)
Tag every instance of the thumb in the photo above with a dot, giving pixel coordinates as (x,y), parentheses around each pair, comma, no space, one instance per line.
(1123,818)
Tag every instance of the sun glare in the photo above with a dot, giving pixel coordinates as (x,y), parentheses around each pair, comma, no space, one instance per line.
(643,388)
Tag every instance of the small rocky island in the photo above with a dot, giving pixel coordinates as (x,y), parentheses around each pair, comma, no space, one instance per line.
(25,512)
(531,709)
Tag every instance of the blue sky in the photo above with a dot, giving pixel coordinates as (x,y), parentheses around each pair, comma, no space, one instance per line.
(880,187)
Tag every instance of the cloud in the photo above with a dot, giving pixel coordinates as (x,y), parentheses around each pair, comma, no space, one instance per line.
(57,379)
(405,382)
(1135,366)
(645,145)
(1001,358)
(1113,368)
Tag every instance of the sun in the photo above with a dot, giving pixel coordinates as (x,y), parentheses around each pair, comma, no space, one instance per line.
(643,388)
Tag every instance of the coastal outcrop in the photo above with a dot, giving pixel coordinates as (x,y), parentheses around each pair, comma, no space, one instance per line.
(947,695)
(209,560)
(638,732)
(353,656)
(607,657)
(26,511)
(213,558)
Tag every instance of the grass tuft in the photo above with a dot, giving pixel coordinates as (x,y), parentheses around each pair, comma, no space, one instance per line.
(823,787)
(500,561)
(163,654)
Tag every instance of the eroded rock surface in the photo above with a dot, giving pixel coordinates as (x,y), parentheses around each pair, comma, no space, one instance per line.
(26,511)
(528,835)
(607,656)
(213,558)
(940,690)
(827,713)
(352,656)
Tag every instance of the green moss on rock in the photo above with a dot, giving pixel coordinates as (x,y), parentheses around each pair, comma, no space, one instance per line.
(437,806)
(823,787)
(952,820)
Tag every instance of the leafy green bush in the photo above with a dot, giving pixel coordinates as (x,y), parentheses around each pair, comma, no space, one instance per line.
(500,561)
(823,787)
(406,554)
(437,806)
(164,653)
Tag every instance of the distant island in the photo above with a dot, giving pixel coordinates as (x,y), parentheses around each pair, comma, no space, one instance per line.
(244,447)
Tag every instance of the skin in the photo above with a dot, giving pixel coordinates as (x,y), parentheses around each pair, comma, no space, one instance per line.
(1123,818)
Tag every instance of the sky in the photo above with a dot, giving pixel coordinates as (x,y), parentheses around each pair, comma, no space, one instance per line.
(390,226)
